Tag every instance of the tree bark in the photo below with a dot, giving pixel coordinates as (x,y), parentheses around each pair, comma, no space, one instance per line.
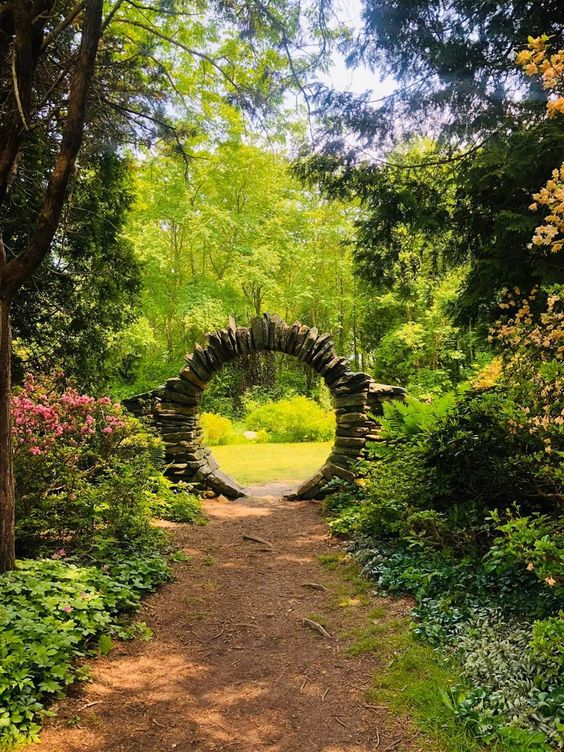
(20,268)
(15,272)
(7,502)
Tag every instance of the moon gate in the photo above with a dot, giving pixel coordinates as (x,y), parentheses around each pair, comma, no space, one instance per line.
(174,407)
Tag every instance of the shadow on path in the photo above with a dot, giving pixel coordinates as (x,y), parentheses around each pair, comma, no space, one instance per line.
(231,665)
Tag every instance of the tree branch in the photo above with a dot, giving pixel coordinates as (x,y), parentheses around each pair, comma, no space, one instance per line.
(22,267)
(180,45)
(16,90)
(12,131)
(69,18)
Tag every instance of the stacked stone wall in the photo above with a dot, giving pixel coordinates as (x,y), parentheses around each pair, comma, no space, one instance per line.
(174,407)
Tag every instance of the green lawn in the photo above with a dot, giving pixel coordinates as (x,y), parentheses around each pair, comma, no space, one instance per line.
(252,464)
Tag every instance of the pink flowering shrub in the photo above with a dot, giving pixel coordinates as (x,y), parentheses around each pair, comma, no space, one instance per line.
(42,418)
(84,469)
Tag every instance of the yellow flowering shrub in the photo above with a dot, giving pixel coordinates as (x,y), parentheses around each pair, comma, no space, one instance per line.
(217,429)
(538,60)
(488,375)
(530,331)
(550,235)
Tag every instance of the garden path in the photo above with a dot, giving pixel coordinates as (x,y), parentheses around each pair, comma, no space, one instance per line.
(232,666)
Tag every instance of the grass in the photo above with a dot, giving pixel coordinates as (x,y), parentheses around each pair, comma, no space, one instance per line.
(252,464)
(411,678)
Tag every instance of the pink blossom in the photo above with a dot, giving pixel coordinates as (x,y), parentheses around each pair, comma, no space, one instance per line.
(60,554)
(67,609)
(46,421)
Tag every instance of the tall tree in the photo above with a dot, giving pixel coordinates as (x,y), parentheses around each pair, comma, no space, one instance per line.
(55,77)
(237,234)
(67,317)
(23,26)
(454,63)
(457,81)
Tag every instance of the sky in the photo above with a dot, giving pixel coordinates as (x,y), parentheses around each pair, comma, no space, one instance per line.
(359,79)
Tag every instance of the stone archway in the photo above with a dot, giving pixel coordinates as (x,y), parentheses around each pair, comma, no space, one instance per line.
(175,406)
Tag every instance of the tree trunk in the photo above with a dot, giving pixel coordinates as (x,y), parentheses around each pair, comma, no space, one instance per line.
(355,338)
(269,369)
(7,501)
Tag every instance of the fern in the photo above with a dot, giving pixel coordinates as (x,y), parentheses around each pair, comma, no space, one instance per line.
(405,420)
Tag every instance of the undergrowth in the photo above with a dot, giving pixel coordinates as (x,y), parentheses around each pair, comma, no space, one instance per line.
(508,689)
(461,509)
(53,614)
(409,678)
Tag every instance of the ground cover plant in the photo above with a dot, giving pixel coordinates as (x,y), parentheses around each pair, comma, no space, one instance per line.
(463,512)
(88,484)
(53,614)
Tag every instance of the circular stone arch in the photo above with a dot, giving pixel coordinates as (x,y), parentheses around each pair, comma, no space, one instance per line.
(174,407)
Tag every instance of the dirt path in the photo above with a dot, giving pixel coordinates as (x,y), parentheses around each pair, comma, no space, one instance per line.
(231,665)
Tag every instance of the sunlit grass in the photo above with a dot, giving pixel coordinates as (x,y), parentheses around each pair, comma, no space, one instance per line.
(410,678)
(252,464)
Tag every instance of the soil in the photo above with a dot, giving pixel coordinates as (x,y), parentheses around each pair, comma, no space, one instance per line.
(232,666)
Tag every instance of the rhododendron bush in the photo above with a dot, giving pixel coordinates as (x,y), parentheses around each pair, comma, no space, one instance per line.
(83,469)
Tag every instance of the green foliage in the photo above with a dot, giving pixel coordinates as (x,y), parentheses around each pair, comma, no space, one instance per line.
(69,315)
(446,466)
(218,430)
(226,235)
(53,613)
(410,418)
(180,507)
(513,696)
(547,645)
(483,619)
(85,472)
(456,71)
(293,419)
(467,197)
(536,542)
(493,215)
(460,507)
(480,456)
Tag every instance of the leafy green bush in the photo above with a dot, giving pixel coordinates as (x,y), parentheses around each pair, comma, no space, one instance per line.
(536,542)
(445,467)
(547,644)
(51,614)
(480,456)
(218,430)
(180,507)
(292,420)
(84,470)
(511,664)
